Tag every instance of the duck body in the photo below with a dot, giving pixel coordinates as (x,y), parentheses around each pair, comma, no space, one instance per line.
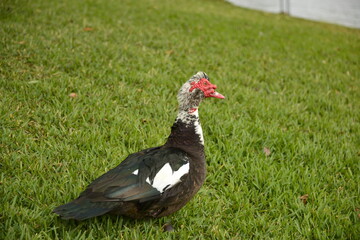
(154,182)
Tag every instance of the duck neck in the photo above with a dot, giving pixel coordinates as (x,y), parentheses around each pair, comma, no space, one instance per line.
(186,132)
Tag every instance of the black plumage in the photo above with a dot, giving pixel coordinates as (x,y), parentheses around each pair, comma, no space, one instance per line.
(157,181)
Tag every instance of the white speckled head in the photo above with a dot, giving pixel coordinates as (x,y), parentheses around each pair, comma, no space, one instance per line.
(194,90)
(191,99)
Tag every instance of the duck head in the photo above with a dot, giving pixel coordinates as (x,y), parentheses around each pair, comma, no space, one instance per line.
(195,90)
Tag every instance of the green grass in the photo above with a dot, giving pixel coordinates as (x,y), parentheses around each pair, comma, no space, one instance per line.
(291,85)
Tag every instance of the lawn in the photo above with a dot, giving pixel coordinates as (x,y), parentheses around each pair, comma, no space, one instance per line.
(289,127)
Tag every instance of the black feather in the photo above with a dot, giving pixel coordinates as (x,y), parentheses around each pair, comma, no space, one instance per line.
(118,186)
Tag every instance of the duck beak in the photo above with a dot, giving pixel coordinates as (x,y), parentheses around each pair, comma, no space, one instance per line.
(216,95)
(213,93)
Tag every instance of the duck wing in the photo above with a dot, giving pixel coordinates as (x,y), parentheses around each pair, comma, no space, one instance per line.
(142,176)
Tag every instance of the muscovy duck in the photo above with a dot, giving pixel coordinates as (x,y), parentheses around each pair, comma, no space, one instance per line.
(157,181)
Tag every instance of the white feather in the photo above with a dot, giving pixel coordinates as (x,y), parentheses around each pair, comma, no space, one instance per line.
(166,177)
(199,132)
(198,128)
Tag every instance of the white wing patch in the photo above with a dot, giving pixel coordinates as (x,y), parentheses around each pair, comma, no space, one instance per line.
(166,177)
(135,172)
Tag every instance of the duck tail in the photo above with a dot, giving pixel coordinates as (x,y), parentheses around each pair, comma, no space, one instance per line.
(81,209)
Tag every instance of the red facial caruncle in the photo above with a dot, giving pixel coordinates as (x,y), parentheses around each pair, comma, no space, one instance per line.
(206,87)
